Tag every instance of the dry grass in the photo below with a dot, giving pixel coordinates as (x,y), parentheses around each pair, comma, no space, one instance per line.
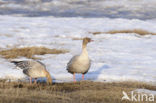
(80,92)
(137,31)
(7,35)
(77,38)
(29,52)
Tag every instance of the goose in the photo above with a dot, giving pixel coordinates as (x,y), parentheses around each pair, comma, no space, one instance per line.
(80,63)
(33,69)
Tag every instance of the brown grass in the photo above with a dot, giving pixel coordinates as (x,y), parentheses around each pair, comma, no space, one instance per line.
(29,52)
(77,38)
(7,35)
(80,92)
(137,31)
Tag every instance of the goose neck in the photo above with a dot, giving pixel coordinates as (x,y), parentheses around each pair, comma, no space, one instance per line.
(84,50)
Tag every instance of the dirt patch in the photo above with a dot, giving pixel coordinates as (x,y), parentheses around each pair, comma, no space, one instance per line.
(29,52)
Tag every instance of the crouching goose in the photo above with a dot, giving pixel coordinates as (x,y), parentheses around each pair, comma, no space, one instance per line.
(80,63)
(33,69)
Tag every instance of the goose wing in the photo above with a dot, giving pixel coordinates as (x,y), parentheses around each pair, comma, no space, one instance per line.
(22,64)
(72,60)
(41,63)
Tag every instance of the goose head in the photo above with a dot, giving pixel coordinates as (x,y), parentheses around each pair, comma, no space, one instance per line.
(86,40)
(48,76)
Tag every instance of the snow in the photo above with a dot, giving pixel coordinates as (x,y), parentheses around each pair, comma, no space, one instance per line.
(118,57)
(146,91)
(140,9)
(9,72)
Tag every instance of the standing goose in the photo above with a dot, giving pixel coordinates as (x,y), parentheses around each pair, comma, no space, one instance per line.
(33,69)
(80,63)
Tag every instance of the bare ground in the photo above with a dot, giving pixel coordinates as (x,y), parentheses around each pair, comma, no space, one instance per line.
(80,92)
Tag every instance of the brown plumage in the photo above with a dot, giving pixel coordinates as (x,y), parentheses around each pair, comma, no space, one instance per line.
(34,69)
(80,63)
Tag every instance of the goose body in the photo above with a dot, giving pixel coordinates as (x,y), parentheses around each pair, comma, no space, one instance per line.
(80,63)
(33,69)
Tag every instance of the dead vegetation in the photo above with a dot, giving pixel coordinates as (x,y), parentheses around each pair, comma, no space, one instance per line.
(29,52)
(77,38)
(137,31)
(80,92)
(7,35)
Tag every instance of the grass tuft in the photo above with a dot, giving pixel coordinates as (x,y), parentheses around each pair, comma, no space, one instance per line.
(29,52)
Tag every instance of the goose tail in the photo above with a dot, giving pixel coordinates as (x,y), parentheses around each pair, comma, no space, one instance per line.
(15,62)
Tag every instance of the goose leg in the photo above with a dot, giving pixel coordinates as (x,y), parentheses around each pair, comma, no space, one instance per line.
(30,80)
(82,76)
(74,77)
